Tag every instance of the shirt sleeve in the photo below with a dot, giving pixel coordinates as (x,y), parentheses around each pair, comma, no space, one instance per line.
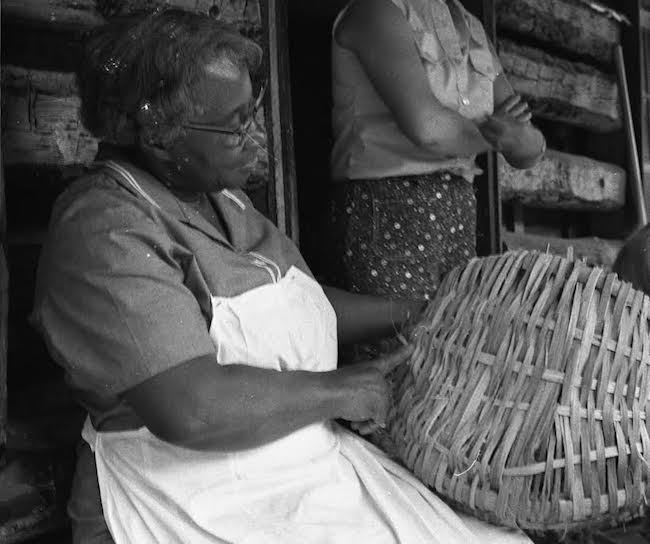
(111,302)
(498,67)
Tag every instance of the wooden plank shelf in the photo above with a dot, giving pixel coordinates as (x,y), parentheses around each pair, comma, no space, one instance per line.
(85,14)
(43,429)
(645,19)
(562,90)
(595,251)
(562,23)
(42,116)
(32,496)
(43,123)
(564,181)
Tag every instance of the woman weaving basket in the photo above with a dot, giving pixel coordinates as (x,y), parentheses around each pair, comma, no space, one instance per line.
(195,335)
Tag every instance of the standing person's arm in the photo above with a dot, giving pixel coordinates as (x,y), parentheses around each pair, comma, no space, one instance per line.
(509,129)
(380,36)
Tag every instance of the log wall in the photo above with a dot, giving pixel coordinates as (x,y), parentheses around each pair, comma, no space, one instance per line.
(559,54)
(562,180)
(84,14)
(562,90)
(594,251)
(4,306)
(41,108)
(42,119)
(562,24)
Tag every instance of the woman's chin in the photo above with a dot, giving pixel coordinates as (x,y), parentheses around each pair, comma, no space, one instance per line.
(239,179)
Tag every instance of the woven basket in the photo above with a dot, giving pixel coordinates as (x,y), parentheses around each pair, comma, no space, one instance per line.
(526,399)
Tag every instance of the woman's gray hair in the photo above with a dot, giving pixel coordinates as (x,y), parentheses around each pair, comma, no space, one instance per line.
(140,78)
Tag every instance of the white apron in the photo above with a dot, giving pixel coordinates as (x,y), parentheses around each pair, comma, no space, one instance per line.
(320,484)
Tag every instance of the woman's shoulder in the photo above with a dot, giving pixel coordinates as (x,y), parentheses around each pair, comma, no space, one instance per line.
(96,200)
(363,18)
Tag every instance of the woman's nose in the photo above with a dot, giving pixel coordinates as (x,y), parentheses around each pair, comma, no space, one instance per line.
(255,129)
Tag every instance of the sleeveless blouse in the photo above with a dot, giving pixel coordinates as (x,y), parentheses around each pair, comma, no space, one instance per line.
(368,141)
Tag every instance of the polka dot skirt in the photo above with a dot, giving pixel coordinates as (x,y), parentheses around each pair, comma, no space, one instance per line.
(399,236)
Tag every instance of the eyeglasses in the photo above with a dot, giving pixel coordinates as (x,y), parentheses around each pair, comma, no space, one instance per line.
(235,136)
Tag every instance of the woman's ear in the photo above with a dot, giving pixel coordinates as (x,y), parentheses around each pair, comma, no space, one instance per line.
(153,150)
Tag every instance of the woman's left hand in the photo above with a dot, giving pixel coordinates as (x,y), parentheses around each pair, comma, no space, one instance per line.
(510,132)
(504,132)
(515,108)
(505,128)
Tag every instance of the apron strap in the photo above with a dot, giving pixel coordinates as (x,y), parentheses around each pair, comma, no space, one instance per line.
(88,433)
(130,179)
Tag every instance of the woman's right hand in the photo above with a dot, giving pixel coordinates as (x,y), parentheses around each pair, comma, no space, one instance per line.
(365,391)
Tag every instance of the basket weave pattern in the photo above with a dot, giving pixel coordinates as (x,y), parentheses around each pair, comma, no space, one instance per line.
(525,401)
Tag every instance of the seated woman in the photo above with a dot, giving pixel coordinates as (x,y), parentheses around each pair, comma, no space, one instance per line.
(194,333)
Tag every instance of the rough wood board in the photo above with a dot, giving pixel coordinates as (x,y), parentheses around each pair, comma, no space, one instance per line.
(43,126)
(4,306)
(32,494)
(42,81)
(564,24)
(83,14)
(561,90)
(561,180)
(595,251)
(62,13)
(42,119)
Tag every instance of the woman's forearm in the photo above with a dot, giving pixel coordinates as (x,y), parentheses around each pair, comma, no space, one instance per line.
(447,134)
(255,406)
(367,317)
(529,149)
(237,407)
(234,407)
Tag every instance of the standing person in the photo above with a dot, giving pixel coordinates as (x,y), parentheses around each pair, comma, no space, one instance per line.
(632,263)
(418,92)
(193,332)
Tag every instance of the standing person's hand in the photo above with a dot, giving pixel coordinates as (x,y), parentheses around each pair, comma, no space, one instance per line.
(366,393)
(508,125)
(515,108)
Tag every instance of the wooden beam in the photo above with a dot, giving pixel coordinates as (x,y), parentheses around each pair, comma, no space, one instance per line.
(562,24)
(595,251)
(4,316)
(85,14)
(634,164)
(65,14)
(486,185)
(32,493)
(4,309)
(42,116)
(645,19)
(561,90)
(43,124)
(286,194)
(561,180)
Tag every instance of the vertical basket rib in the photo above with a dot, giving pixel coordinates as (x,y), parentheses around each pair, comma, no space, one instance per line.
(527,394)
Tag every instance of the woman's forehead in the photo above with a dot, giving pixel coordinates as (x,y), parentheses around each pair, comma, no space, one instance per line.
(225,92)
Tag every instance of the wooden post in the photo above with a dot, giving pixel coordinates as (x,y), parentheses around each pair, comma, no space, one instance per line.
(636,183)
(282,187)
(486,186)
(493,190)
(4,306)
(634,69)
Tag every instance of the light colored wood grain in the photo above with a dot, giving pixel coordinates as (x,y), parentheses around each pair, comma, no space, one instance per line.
(562,180)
